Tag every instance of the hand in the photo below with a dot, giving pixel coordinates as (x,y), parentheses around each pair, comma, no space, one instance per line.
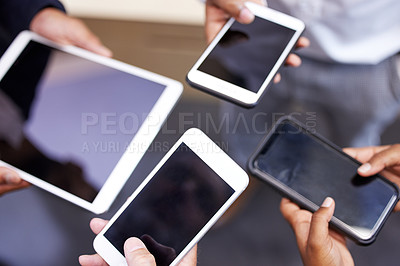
(61,28)
(318,245)
(136,252)
(219,11)
(384,159)
(10,181)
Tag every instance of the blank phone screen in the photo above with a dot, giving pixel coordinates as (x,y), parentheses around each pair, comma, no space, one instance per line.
(315,170)
(173,207)
(246,54)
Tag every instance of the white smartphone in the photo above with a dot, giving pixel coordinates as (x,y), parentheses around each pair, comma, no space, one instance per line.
(88,120)
(242,60)
(185,194)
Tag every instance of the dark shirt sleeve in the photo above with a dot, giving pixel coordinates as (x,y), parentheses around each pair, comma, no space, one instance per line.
(16,15)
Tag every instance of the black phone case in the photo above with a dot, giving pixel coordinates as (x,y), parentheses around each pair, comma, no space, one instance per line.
(301,200)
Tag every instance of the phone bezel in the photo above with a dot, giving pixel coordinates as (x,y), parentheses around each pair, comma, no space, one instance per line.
(210,154)
(305,203)
(145,135)
(232,92)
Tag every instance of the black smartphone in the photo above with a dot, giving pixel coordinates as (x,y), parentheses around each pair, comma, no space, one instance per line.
(306,168)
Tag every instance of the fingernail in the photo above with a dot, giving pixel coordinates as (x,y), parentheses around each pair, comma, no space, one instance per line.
(104,51)
(364,168)
(133,244)
(327,202)
(245,15)
(11,178)
(84,259)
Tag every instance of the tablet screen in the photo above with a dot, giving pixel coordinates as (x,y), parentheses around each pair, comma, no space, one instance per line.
(79,117)
(246,54)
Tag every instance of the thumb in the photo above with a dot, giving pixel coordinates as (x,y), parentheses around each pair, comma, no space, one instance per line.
(136,253)
(319,228)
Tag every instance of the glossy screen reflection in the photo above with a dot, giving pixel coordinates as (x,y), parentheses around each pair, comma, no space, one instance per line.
(246,54)
(173,207)
(316,171)
(79,116)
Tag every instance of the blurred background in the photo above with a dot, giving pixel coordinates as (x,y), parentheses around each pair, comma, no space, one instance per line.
(166,37)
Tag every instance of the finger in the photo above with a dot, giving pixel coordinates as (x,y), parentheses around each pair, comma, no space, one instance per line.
(397,207)
(293,60)
(351,152)
(302,42)
(92,260)
(319,227)
(288,210)
(8,176)
(215,20)
(136,253)
(364,154)
(81,36)
(299,220)
(97,224)
(234,8)
(277,78)
(5,188)
(190,258)
(379,161)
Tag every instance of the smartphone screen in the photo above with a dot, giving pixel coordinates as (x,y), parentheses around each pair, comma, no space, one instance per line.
(173,207)
(246,54)
(316,170)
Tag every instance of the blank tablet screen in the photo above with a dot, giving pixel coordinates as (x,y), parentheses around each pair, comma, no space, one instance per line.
(79,117)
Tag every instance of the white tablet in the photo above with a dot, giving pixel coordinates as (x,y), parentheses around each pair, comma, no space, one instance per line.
(243,59)
(179,201)
(87,119)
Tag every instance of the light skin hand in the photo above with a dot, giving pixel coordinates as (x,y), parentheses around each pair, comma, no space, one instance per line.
(219,11)
(63,29)
(10,181)
(318,245)
(379,159)
(136,252)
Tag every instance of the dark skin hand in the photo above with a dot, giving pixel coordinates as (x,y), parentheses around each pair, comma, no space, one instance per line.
(318,245)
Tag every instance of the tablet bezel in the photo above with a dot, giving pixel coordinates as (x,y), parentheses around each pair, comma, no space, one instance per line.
(211,155)
(232,92)
(145,135)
